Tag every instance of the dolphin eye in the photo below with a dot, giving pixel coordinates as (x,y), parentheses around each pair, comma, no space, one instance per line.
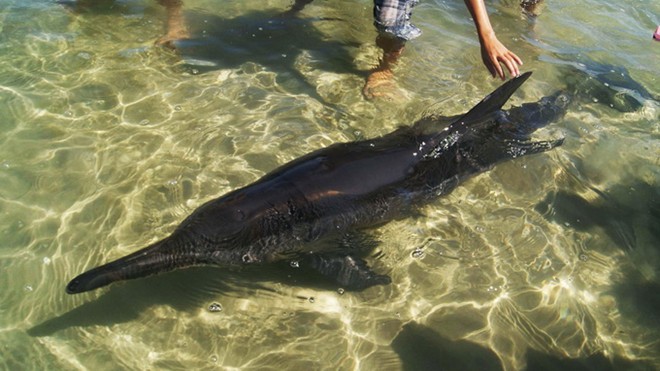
(239,215)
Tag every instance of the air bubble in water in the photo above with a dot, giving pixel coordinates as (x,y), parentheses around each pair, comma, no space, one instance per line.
(215,307)
(418,253)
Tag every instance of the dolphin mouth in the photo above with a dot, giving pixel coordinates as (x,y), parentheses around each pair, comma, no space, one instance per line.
(90,280)
(162,256)
(132,266)
(75,286)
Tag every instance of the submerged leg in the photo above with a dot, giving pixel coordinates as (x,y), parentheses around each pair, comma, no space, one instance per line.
(299,5)
(348,271)
(380,81)
(176,24)
(296,8)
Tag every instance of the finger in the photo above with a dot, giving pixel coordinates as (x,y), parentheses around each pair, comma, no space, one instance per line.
(510,64)
(518,60)
(517,64)
(489,66)
(507,64)
(493,71)
(500,71)
(512,67)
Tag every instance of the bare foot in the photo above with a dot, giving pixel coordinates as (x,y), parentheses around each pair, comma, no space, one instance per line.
(168,39)
(380,83)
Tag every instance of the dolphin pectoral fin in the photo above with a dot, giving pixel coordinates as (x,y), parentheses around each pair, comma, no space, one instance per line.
(349,271)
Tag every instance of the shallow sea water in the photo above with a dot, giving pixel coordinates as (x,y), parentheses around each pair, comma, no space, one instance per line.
(107,142)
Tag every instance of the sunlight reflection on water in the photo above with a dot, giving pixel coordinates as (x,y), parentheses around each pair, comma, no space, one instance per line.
(108,142)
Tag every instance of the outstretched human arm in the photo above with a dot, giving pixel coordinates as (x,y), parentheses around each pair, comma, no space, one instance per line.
(493,52)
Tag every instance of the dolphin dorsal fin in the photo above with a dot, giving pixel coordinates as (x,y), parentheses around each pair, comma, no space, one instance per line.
(495,100)
(492,103)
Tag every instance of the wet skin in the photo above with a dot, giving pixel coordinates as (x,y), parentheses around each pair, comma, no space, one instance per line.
(303,210)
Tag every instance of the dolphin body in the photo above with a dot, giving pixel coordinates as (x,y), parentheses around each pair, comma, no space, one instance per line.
(303,210)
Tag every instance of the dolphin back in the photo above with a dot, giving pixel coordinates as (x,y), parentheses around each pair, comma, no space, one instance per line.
(304,208)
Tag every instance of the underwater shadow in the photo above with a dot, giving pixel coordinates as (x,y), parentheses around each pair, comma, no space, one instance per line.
(629,214)
(639,301)
(621,212)
(95,7)
(537,361)
(593,82)
(184,290)
(421,348)
(270,40)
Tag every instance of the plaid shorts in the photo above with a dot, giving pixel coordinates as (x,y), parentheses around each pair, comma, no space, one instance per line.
(392,18)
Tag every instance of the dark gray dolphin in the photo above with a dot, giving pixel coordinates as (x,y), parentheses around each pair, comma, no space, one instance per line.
(303,210)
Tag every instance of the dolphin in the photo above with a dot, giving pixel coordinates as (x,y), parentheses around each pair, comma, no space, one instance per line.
(304,210)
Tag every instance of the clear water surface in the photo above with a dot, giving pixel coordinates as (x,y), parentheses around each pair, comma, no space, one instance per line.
(107,142)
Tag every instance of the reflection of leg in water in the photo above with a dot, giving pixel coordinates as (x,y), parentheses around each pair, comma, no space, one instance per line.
(530,6)
(81,6)
(380,80)
(298,6)
(176,25)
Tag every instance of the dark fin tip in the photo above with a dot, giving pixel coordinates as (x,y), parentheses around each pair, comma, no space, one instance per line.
(495,100)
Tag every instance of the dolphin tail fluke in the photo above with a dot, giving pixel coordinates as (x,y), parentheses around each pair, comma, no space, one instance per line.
(156,258)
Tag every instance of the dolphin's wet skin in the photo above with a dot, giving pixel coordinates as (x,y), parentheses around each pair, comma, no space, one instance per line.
(302,210)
